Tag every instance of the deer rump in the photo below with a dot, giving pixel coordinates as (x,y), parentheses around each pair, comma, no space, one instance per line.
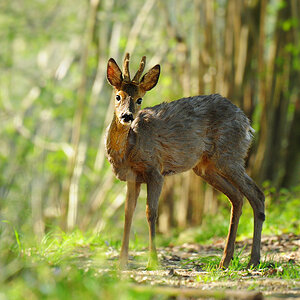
(189,133)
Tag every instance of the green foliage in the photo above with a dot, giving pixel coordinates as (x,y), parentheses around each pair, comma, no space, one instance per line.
(53,163)
(84,265)
(61,266)
(282,216)
(46,282)
(48,64)
(238,269)
(212,227)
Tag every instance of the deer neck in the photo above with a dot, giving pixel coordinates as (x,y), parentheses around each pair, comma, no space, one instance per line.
(117,141)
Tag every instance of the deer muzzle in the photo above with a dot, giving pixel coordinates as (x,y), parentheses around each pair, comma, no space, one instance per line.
(126,118)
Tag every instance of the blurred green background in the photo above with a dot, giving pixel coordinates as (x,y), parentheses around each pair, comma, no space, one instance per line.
(55,105)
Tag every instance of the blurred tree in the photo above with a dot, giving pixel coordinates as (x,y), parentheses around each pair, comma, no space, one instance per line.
(55,103)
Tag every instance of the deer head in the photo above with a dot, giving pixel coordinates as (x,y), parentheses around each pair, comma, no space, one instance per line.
(129,93)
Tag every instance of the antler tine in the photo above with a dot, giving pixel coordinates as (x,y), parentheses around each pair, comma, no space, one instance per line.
(126,73)
(139,72)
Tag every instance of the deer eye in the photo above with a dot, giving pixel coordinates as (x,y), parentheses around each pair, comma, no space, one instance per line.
(118,97)
(139,101)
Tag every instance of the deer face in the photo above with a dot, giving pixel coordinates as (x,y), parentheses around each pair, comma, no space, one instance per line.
(129,93)
(128,102)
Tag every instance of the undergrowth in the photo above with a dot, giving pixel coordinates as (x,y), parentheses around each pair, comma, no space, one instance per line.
(62,266)
(81,265)
(282,216)
(238,269)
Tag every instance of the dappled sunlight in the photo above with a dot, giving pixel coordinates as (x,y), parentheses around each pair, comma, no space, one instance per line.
(61,207)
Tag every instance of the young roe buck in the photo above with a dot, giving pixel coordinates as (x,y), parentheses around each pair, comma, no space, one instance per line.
(208,134)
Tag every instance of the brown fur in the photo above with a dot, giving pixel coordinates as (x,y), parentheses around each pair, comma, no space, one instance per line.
(208,134)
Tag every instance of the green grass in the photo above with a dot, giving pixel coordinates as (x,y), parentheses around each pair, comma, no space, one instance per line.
(282,216)
(238,269)
(83,265)
(62,266)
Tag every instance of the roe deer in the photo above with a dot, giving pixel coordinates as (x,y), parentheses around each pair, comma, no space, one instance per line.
(208,134)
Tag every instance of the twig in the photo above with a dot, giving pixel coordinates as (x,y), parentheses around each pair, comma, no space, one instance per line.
(186,292)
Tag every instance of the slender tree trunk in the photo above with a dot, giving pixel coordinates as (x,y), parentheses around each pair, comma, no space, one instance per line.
(82,103)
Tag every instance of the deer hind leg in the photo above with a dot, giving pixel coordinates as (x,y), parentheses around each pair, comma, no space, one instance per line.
(252,192)
(133,190)
(236,199)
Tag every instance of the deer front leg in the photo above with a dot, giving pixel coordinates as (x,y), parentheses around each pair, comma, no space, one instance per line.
(133,190)
(154,187)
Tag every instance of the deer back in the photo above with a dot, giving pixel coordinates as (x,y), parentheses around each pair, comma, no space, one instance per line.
(173,137)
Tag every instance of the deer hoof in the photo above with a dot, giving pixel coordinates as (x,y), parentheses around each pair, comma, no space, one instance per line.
(123,264)
(253,263)
(224,263)
(152,264)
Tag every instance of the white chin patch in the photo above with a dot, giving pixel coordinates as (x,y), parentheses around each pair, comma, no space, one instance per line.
(128,123)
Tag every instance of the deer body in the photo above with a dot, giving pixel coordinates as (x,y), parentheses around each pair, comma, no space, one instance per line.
(208,134)
(178,136)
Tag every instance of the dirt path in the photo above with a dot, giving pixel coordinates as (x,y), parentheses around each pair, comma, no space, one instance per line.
(185,271)
(185,267)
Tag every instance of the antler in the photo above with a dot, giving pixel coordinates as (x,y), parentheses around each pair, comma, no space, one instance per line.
(139,72)
(126,73)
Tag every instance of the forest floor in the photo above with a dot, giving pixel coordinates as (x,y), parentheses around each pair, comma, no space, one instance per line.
(82,266)
(190,270)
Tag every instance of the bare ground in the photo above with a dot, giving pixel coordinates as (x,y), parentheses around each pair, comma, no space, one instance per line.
(182,269)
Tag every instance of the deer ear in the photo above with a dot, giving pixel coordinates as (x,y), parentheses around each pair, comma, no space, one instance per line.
(150,79)
(114,74)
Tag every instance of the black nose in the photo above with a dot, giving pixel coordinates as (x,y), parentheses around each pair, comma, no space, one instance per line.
(127,117)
